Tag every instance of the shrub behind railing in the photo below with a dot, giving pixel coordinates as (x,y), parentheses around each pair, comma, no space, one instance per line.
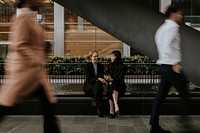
(137,65)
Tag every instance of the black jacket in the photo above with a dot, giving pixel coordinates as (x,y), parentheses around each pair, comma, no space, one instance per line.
(91,78)
(117,73)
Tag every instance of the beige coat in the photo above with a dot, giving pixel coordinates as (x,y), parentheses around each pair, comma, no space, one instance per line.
(25,60)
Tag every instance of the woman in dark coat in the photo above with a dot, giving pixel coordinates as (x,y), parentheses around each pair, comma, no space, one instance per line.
(93,85)
(116,85)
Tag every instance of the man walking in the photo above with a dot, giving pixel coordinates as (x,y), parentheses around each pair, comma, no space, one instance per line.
(167,39)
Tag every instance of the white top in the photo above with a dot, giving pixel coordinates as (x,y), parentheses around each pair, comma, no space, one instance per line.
(95,67)
(168,41)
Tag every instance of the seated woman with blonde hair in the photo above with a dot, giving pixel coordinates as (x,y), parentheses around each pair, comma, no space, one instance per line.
(93,85)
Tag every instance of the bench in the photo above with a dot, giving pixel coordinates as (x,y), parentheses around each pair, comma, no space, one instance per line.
(129,105)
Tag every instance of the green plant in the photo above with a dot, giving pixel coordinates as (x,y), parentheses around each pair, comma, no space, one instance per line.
(67,65)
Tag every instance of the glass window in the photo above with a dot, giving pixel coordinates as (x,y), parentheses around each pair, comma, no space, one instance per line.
(81,36)
(47,17)
(7,10)
(191,12)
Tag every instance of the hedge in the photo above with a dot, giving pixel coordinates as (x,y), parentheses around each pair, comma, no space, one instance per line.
(56,65)
(69,59)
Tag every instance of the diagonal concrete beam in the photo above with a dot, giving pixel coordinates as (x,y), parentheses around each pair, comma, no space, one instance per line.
(136,25)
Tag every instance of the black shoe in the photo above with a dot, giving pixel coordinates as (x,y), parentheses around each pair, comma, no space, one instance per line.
(99,113)
(111,116)
(159,130)
(117,113)
(3,111)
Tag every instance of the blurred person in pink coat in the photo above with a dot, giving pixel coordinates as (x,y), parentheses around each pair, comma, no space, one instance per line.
(25,66)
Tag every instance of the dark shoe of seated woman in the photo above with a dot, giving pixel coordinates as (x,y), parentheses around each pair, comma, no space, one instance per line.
(111,115)
(99,113)
(117,113)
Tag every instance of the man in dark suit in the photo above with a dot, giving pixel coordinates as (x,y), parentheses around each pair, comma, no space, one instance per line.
(93,85)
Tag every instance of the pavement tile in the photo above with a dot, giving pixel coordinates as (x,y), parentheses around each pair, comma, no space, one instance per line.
(94,124)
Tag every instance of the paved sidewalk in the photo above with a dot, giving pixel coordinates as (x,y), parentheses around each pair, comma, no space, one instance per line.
(93,124)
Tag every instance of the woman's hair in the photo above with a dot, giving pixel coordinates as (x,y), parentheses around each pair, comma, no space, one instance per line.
(20,3)
(89,55)
(174,8)
(118,59)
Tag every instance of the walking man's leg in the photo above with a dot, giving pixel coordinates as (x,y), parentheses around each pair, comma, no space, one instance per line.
(50,121)
(181,84)
(3,111)
(159,98)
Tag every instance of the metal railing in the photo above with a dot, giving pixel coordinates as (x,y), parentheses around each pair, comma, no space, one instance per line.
(73,73)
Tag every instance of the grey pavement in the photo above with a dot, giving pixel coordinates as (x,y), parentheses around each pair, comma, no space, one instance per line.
(94,124)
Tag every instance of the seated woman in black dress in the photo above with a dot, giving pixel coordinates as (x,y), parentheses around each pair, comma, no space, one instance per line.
(116,85)
(93,85)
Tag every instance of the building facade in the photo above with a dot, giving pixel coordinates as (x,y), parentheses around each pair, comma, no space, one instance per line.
(71,35)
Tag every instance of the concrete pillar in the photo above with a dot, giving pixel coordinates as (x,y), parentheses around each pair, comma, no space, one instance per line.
(18,12)
(59,30)
(80,24)
(127,50)
(163,5)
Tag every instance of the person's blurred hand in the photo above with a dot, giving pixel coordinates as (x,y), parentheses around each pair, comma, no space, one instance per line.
(177,68)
